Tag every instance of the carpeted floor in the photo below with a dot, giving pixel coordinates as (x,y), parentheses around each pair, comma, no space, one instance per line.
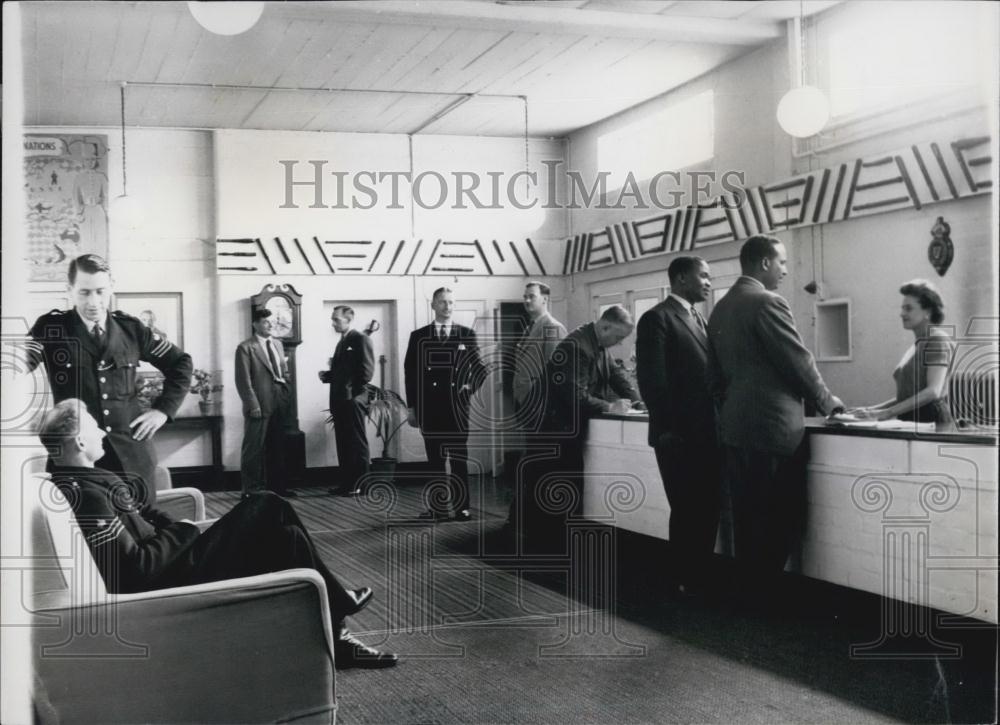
(489,634)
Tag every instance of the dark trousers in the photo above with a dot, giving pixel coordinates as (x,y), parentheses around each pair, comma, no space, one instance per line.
(768,495)
(690,470)
(261,534)
(262,454)
(352,440)
(517,464)
(453,448)
(552,490)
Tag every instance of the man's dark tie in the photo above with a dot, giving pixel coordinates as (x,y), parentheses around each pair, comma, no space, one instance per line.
(275,365)
(699,320)
(441,336)
(98,335)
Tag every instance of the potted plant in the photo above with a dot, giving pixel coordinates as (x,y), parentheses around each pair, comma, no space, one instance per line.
(148,387)
(203,383)
(387,411)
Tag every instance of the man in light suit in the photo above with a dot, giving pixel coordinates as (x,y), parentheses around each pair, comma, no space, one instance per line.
(351,368)
(443,370)
(671,357)
(759,373)
(262,382)
(533,352)
(531,355)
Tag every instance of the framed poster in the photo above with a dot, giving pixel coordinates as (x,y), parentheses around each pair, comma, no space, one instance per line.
(66,195)
(162,312)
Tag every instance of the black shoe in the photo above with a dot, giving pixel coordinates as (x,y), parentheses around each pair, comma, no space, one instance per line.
(359,600)
(430,515)
(289,494)
(463,515)
(343,491)
(349,652)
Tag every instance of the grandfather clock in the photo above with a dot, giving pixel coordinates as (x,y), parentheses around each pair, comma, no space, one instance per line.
(285,305)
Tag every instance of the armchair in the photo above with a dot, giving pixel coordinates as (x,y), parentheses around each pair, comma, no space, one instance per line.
(181,503)
(254,649)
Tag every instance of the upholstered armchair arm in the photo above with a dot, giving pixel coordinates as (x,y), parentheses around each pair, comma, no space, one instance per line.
(182,503)
(255,649)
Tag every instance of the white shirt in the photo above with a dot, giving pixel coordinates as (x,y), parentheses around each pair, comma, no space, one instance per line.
(89,324)
(683,303)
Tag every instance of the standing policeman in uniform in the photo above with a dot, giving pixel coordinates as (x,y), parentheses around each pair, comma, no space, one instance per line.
(93,355)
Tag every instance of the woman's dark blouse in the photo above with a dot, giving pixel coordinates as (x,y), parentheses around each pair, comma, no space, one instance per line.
(937,350)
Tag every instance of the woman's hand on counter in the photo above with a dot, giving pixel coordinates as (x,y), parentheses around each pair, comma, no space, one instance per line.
(871,413)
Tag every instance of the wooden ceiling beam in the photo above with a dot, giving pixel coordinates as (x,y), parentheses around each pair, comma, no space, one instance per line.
(547,19)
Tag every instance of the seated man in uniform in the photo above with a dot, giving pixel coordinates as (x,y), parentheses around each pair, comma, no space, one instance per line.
(138,548)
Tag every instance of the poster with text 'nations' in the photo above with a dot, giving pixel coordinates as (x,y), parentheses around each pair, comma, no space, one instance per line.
(66,188)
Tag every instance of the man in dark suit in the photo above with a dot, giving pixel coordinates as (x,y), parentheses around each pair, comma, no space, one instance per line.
(351,367)
(262,382)
(671,356)
(582,381)
(443,370)
(138,548)
(759,373)
(92,354)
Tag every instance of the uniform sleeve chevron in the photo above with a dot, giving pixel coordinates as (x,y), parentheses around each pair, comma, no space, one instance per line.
(106,535)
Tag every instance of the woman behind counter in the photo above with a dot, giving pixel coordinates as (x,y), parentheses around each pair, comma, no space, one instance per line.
(922,375)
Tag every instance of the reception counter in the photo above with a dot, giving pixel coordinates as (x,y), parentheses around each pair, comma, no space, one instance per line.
(904,514)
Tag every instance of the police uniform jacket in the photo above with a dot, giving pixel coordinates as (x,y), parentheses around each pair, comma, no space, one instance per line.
(134,545)
(436,372)
(105,379)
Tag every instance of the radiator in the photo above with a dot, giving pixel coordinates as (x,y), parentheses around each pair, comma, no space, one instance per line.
(972,397)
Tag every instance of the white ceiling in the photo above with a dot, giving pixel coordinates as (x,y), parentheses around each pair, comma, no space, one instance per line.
(386,66)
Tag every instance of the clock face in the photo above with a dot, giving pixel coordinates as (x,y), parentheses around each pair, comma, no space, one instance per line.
(281,316)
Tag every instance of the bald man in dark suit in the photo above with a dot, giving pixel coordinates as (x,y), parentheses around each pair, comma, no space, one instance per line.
(760,373)
(671,357)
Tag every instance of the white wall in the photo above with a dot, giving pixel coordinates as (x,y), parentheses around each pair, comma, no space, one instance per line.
(170,173)
(412,295)
(250,193)
(864,259)
(199,185)
(175,172)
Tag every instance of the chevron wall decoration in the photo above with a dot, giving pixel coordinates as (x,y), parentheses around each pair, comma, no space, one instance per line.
(276,256)
(912,177)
